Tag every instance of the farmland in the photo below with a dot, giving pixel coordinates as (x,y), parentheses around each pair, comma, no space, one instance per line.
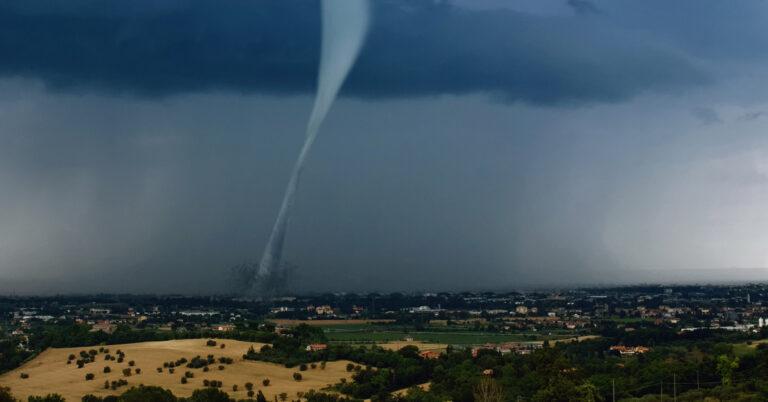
(49,372)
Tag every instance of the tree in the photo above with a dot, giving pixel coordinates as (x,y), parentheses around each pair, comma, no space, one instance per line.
(265,382)
(297,376)
(89,377)
(260,397)
(107,369)
(487,390)
(725,366)
(5,395)
(127,372)
(147,394)
(47,398)
(209,395)
(249,386)
(283,396)
(183,380)
(589,392)
(131,363)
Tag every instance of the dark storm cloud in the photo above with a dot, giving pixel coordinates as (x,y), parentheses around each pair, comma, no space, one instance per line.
(583,7)
(415,48)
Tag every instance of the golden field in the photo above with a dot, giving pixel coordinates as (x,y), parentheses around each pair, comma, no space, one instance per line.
(50,372)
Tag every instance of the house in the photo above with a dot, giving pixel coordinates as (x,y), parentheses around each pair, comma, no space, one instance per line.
(316,347)
(428,354)
(103,325)
(629,350)
(225,327)
(324,310)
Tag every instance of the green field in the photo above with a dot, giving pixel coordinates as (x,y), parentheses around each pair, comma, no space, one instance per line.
(364,333)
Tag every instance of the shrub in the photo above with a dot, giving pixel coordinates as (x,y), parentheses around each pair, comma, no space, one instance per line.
(89,377)
(297,376)
(205,368)
(138,371)
(93,352)
(313,366)
(69,361)
(350,366)
(183,380)
(80,364)
(250,393)
(303,367)
(210,342)
(206,383)
(71,357)
(24,375)
(249,386)
(120,359)
(221,367)
(170,370)
(107,369)
(234,388)
(222,346)
(159,369)
(127,372)
(283,396)
(322,365)
(106,384)
(131,363)
(265,382)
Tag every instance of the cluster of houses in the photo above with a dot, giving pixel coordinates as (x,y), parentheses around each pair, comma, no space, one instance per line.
(520,348)
(630,350)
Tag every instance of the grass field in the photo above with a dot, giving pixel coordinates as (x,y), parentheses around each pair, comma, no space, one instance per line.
(293,323)
(50,372)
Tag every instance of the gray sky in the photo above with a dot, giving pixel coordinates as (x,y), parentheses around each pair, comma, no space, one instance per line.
(145,147)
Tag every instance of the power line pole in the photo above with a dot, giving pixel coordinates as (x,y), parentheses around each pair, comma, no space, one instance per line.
(661,391)
(613,387)
(674,387)
(698,385)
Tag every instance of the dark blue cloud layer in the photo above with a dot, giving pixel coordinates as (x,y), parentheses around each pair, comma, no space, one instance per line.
(415,48)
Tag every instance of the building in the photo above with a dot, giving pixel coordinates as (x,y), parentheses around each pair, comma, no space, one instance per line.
(103,325)
(428,354)
(316,347)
